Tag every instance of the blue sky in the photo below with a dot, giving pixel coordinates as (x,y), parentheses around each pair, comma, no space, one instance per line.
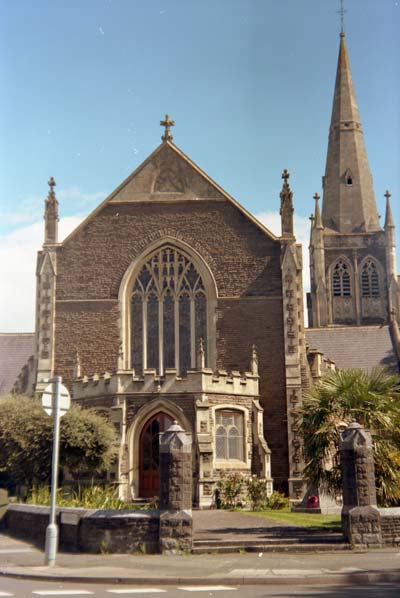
(249,84)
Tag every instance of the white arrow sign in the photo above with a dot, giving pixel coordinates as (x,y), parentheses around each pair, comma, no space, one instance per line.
(49,399)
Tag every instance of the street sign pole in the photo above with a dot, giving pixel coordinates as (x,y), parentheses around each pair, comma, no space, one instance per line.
(52,529)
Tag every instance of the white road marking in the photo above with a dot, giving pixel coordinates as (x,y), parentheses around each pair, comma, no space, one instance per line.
(136,591)
(207,588)
(14,550)
(62,592)
(5,594)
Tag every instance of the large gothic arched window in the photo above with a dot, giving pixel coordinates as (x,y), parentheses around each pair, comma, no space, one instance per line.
(168,313)
(369,279)
(341,285)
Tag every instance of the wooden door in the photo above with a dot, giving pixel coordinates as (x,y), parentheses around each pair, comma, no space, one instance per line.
(150,454)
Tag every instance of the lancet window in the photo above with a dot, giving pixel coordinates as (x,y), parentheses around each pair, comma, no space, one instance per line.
(168,313)
(369,279)
(341,285)
(229,434)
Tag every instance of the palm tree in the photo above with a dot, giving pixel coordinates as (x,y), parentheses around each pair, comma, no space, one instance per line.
(344,396)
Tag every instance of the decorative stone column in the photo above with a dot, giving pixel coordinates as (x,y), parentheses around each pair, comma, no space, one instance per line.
(175,500)
(361,522)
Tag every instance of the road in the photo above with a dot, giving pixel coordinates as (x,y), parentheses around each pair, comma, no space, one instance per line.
(15,588)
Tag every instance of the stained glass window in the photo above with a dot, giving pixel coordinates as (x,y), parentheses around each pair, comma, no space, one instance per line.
(168,313)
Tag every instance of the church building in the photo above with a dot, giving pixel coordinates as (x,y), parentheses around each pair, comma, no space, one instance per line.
(172,302)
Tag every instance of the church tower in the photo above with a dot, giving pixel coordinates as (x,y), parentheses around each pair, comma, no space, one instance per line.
(353,274)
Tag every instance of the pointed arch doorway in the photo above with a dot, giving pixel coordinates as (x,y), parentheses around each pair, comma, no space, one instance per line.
(149,454)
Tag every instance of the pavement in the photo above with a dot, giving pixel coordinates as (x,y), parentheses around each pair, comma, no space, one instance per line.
(21,559)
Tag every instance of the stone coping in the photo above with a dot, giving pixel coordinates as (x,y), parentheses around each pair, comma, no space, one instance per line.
(84,512)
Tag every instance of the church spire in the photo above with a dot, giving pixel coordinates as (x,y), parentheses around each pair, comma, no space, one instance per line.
(348,200)
(51,215)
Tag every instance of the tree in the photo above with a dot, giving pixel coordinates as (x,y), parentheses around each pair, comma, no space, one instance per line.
(344,396)
(87,440)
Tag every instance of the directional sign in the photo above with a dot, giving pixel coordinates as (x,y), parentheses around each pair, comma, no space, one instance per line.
(49,399)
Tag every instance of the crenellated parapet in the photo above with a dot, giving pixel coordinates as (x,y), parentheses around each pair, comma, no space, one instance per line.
(197,381)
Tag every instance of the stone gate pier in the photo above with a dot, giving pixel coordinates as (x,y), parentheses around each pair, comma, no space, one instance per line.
(361,520)
(175,500)
(364,524)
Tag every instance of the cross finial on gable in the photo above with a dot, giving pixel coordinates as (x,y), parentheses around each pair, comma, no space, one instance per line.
(342,12)
(51,183)
(167,123)
(388,195)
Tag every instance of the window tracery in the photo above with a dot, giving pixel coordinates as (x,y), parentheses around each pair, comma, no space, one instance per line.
(168,313)
(369,279)
(341,285)
(229,434)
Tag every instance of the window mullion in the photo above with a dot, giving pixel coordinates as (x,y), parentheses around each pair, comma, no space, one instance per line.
(176,313)
(144,332)
(161,335)
(192,334)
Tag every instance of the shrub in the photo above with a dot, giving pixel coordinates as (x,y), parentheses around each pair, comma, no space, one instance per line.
(257,490)
(87,441)
(229,491)
(90,497)
(277,501)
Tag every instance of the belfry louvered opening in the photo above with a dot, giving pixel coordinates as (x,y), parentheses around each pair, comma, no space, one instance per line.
(370,279)
(341,285)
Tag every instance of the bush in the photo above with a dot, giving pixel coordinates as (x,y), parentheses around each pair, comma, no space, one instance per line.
(257,490)
(90,497)
(87,441)
(229,491)
(236,490)
(277,501)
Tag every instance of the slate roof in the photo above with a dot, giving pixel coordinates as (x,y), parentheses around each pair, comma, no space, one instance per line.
(363,347)
(15,350)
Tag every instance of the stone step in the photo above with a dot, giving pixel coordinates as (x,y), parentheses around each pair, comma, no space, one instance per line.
(222,548)
(337,539)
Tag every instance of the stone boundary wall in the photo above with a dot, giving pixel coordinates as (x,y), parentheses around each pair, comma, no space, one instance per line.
(88,530)
(390,526)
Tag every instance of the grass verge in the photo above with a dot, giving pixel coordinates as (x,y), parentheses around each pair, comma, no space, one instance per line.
(313,520)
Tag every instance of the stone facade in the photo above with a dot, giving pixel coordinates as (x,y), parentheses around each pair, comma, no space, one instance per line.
(193,401)
(251,364)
